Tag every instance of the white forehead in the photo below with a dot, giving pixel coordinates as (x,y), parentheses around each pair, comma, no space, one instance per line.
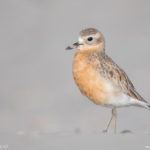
(80,40)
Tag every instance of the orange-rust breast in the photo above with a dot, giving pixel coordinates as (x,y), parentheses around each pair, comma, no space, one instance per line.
(88,79)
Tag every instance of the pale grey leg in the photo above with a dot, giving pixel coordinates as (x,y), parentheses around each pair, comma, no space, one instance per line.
(108,124)
(115,119)
(114,115)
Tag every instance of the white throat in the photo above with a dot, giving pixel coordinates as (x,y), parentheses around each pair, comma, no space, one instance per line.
(80,40)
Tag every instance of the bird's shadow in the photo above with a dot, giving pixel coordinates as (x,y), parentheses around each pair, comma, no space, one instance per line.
(126,131)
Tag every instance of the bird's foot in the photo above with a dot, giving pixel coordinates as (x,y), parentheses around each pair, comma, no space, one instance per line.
(105,131)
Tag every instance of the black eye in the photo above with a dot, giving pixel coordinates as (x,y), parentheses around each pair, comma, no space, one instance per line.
(90,38)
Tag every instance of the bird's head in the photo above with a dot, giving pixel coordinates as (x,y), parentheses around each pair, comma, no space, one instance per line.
(89,39)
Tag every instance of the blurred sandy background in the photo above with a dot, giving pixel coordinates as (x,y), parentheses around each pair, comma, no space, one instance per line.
(40,105)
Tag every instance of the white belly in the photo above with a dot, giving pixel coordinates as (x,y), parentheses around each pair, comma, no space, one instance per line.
(124,100)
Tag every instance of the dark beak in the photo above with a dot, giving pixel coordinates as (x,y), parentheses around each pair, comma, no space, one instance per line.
(75,45)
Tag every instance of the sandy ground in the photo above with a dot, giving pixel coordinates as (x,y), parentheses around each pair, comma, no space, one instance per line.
(74,141)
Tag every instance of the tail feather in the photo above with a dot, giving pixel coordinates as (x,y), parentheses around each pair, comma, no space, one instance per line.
(143,104)
(147,105)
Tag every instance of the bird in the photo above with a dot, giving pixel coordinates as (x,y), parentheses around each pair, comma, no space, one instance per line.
(99,78)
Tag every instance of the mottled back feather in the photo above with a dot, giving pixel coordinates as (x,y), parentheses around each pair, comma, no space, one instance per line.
(114,74)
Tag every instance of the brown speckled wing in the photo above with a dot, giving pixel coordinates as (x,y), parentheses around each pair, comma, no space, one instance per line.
(112,72)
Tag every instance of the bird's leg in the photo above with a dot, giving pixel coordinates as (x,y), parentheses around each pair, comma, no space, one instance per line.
(108,124)
(114,113)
